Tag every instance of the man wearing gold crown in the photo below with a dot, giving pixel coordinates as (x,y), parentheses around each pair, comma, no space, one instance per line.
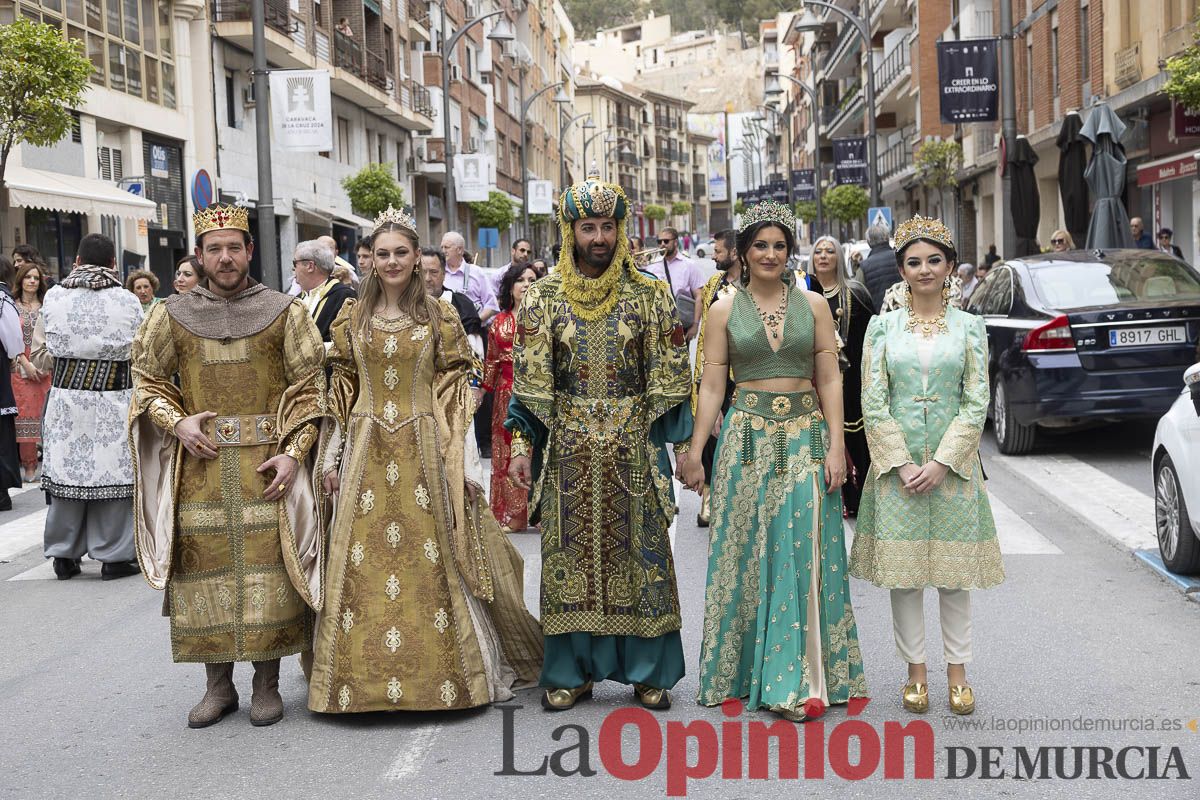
(600,384)
(225,513)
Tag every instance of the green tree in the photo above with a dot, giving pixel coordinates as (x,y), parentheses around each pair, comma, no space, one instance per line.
(42,76)
(372,189)
(806,210)
(681,208)
(1183,76)
(937,162)
(588,15)
(846,203)
(656,213)
(495,212)
(739,206)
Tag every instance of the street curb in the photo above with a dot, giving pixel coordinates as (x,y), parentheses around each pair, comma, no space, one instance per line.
(1190,586)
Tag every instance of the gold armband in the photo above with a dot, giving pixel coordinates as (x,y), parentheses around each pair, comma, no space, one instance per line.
(164,414)
(718,363)
(830,352)
(301,441)
(520,445)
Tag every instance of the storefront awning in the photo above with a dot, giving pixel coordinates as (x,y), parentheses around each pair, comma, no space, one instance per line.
(354,221)
(1168,169)
(53,191)
(314,215)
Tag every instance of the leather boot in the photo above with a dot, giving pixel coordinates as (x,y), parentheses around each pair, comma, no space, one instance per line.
(220,698)
(266,706)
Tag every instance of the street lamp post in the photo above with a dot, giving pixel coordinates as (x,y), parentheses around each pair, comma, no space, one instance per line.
(561,99)
(503,32)
(562,151)
(587,126)
(809,22)
(773,88)
(267,254)
(621,148)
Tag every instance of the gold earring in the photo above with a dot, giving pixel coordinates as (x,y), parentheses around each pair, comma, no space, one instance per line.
(946,290)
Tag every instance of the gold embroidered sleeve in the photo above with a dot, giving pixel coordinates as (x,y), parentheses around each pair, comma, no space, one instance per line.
(885,438)
(533,349)
(301,441)
(164,414)
(959,446)
(304,400)
(668,373)
(520,447)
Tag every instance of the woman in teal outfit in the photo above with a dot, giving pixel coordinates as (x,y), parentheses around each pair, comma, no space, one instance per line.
(924,519)
(778,627)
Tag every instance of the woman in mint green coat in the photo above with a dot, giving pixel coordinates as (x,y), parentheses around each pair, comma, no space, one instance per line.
(924,520)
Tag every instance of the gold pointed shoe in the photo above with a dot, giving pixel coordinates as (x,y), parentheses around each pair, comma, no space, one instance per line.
(651,698)
(563,699)
(962,700)
(915,697)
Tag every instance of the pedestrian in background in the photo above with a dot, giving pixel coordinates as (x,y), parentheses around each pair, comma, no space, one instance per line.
(14,347)
(779,630)
(24,254)
(88,323)
(966,274)
(187,275)
(988,260)
(464,277)
(1060,242)
(321,293)
(925,520)
(540,267)
(144,284)
(878,270)
(1164,243)
(362,255)
(332,246)
(1141,237)
(509,502)
(850,304)
(30,384)
(682,276)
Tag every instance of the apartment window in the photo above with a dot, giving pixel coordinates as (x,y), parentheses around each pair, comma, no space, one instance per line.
(230,98)
(1085,45)
(318,14)
(76,128)
(382,149)
(343,140)
(1029,71)
(1054,51)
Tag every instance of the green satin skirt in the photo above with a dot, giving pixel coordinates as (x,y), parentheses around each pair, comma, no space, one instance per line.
(779,631)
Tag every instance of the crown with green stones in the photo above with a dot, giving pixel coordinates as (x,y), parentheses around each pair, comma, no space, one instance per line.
(933,230)
(396,216)
(769,211)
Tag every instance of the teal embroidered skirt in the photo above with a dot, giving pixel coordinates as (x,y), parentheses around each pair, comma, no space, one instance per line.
(778,627)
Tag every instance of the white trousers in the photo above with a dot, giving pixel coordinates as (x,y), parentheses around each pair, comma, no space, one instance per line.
(908,620)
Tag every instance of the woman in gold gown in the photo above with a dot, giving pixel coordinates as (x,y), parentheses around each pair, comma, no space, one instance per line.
(424,607)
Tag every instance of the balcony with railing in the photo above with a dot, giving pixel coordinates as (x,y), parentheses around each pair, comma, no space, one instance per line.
(347,53)
(627,158)
(379,72)
(894,65)
(418,13)
(895,160)
(843,118)
(625,123)
(239,11)
(842,59)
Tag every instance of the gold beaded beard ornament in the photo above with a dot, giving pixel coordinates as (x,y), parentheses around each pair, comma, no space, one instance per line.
(594,298)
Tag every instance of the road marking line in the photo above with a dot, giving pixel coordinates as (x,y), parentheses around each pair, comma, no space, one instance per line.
(409,761)
(42,572)
(1115,509)
(1018,537)
(18,536)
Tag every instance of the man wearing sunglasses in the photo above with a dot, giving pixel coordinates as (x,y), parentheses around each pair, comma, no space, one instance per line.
(683,276)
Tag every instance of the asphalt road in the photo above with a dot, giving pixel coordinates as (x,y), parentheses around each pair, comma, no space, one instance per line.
(1081,633)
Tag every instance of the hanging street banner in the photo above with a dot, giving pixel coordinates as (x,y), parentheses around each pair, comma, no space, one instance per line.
(301,110)
(472,177)
(804,184)
(541,197)
(850,160)
(968,80)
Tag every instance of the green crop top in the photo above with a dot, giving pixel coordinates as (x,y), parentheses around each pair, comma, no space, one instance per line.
(750,353)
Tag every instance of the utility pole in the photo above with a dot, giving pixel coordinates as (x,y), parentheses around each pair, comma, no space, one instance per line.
(268,255)
(1008,126)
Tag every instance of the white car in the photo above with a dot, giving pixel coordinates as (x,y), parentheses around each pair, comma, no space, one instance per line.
(705,248)
(1176,464)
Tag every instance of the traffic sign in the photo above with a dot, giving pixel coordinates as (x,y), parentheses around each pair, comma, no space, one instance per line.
(202,189)
(880,215)
(489,238)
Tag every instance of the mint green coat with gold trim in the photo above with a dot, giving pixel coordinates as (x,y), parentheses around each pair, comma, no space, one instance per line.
(946,538)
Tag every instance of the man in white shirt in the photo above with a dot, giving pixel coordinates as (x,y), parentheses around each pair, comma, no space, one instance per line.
(683,276)
(463,276)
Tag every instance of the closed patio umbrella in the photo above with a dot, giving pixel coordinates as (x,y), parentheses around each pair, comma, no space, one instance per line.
(1026,203)
(1072,186)
(1105,174)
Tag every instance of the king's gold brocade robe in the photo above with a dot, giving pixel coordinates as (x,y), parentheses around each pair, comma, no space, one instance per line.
(241,572)
(423,604)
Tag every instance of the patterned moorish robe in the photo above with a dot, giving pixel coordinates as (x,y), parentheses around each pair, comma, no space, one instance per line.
(240,572)
(598,400)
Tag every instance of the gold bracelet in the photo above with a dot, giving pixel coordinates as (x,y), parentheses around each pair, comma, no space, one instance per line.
(830,352)
(683,447)
(164,414)
(301,441)
(520,445)
(718,363)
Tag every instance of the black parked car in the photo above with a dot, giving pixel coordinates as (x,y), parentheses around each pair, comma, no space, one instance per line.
(1086,336)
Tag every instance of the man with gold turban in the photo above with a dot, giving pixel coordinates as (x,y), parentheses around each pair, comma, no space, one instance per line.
(600,384)
(225,516)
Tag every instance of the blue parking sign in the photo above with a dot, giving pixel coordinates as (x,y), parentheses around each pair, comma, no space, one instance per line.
(489,238)
(879,215)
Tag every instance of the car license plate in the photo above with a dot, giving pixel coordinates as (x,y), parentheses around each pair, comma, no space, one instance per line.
(1158,334)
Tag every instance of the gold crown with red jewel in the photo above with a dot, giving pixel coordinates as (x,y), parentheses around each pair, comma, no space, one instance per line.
(221,217)
(927,228)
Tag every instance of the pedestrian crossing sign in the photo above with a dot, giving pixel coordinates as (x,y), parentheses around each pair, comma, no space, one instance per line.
(879,215)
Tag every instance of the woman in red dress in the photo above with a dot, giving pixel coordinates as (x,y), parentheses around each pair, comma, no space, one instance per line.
(30,384)
(510,503)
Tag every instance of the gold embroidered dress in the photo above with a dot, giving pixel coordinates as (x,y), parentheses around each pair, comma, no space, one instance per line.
(241,572)
(918,408)
(424,608)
